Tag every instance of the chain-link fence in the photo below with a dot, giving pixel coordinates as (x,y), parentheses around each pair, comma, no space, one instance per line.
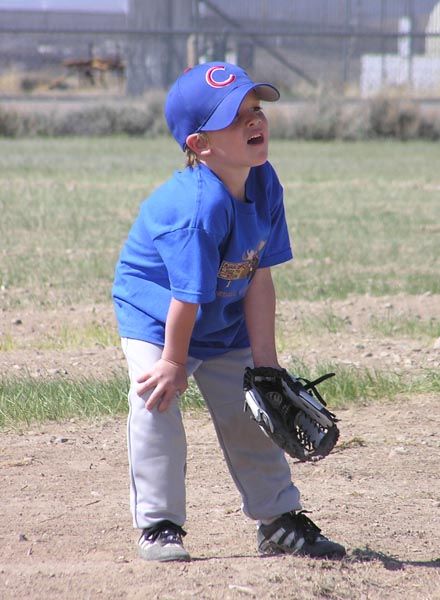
(356,48)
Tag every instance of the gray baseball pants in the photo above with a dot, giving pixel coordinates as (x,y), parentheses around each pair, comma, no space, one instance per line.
(157,443)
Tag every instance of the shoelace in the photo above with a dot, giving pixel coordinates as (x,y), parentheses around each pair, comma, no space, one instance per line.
(308,528)
(170,532)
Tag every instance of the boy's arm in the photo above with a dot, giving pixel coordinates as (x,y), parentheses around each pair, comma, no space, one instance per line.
(168,375)
(259,309)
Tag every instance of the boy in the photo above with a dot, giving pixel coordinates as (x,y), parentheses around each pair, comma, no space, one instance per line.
(193,295)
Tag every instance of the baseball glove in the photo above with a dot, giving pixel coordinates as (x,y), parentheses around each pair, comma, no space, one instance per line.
(291,412)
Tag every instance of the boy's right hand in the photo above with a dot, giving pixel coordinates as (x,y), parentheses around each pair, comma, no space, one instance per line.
(167,380)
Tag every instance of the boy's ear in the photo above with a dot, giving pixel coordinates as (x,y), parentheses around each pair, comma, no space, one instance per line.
(198,143)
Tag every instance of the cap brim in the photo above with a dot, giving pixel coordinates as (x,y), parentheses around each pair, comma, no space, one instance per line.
(226,111)
(267,92)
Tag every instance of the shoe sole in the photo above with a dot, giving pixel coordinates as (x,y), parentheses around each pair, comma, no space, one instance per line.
(273,549)
(164,554)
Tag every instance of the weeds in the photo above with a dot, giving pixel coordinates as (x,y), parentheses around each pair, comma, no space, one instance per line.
(323,118)
(328,321)
(25,400)
(405,325)
(352,384)
(100,120)
(6,342)
(91,334)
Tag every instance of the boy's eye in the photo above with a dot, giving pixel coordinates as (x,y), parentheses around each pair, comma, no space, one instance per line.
(253,109)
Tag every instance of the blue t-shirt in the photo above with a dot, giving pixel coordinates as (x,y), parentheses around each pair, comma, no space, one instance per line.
(194,242)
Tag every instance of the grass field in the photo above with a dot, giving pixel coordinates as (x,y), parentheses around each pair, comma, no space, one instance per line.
(364,219)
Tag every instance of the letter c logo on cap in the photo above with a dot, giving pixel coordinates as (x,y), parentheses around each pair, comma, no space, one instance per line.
(218,84)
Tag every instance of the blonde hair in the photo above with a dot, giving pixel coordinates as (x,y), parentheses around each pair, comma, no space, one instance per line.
(192,158)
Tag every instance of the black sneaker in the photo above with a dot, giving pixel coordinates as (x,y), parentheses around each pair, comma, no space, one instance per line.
(163,542)
(294,533)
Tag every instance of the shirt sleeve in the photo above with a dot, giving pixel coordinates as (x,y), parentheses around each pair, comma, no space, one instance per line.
(278,248)
(191,257)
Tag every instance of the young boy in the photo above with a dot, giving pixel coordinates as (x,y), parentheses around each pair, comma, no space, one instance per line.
(193,295)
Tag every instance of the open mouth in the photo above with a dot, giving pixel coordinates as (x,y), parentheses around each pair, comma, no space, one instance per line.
(256,139)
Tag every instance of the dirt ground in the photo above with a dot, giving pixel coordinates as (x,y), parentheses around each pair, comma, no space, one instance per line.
(355,344)
(65,528)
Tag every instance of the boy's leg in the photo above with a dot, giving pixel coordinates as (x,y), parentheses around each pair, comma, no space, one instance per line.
(156,448)
(258,467)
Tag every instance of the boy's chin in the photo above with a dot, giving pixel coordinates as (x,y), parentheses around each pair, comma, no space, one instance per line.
(260,160)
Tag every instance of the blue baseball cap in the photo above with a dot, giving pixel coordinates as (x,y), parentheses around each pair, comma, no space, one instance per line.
(207,98)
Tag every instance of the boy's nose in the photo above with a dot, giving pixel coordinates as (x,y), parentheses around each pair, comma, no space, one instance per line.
(255,119)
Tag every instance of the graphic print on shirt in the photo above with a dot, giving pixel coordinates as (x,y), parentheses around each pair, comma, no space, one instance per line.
(245,269)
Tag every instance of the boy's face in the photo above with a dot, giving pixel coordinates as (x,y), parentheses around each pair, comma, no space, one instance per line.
(245,142)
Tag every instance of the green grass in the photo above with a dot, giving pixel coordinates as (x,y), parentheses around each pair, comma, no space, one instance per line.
(6,342)
(352,384)
(26,400)
(69,204)
(68,337)
(29,400)
(408,326)
(364,217)
(328,321)
(91,334)
(390,326)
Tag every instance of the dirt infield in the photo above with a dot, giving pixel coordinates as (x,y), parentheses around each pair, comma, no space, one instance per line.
(65,529)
